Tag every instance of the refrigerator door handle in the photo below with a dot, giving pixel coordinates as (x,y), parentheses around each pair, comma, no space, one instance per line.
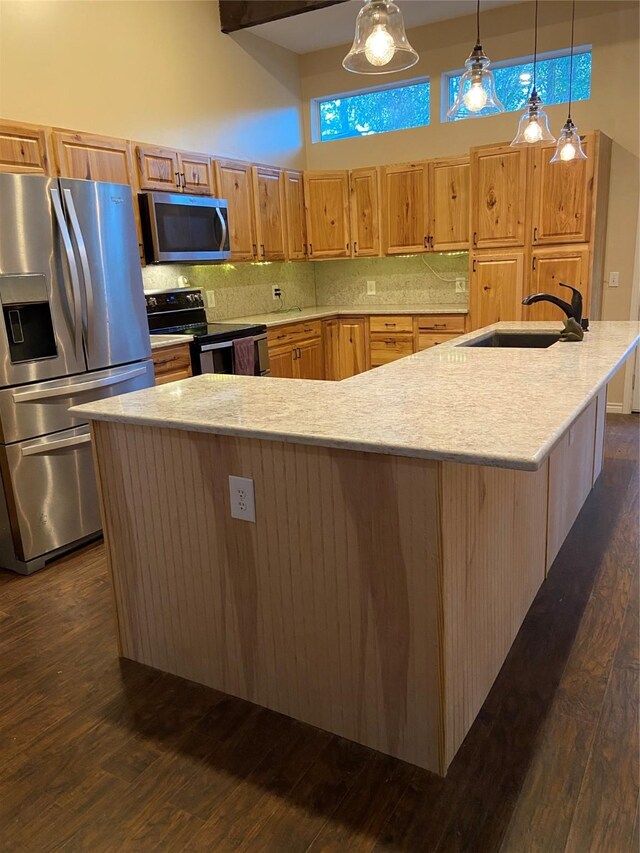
(73,271)
(22,396)
(84,258)
(47,445)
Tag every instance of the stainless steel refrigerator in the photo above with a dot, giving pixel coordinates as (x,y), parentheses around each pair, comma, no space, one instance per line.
(73,329)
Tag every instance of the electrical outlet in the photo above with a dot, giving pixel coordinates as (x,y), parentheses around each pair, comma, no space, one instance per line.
(211,299)
(461,284)
(614,279)
(276,291)
(243,502)
(371,288)
(183,281)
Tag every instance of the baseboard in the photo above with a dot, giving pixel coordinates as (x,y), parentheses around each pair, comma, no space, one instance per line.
(615,408)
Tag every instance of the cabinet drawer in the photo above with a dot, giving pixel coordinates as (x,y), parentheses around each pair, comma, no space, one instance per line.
(440,323)
(172,360)
(162,379)
(427,340)
(389,324)
(294,332)
(386,348)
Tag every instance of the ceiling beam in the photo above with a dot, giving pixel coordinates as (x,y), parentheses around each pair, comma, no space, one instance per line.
(240,14)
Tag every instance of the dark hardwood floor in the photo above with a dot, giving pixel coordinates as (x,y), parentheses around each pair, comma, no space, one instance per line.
(98,754)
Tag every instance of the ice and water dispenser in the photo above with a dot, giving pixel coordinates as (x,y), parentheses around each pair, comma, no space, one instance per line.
(26,311)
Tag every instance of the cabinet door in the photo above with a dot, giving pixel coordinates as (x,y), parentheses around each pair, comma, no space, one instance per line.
(23,148)
(562,197)
(498,196)
(549,267)
(93,158)
(405,218)
(158,168)
(281,362)
(233,180)
(496,288)
(309,360)
(268,194)
(345,347)
(365,212)
(326,196)
(196,174)
(296,226)
(449,184)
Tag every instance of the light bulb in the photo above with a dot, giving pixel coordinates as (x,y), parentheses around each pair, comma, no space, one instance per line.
(568,152)
(379,47)
(533,132)
(475,98)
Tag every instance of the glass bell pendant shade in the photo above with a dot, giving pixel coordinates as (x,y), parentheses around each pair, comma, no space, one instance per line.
(380,45)
(533,127)
(569,147)
(476,90)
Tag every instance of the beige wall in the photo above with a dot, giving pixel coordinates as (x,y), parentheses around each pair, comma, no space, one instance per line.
(611,27)
(153,71)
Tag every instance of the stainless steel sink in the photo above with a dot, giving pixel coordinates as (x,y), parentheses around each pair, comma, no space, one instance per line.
(515,340)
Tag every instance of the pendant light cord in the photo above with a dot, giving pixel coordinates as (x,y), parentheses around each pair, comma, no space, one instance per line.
(573,18)
(535,47)
(478,23)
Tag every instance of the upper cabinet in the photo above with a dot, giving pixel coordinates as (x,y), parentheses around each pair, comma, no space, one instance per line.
(405,215)
(93,158)
(234,181)
(449,184)
(268,195)
(23,148)
(326,197)
(498,196)
(196,173)
(174,171)
(365,212)
(295,222)
(562,197)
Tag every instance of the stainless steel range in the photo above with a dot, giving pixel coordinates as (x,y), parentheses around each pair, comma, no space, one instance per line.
(73,329)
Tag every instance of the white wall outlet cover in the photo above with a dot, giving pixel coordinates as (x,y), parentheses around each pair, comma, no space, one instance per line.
(211,299)
(371,288)
(183,281)
(614,279)
(461,284)
(242,496)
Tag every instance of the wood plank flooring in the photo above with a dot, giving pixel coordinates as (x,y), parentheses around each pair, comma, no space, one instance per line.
(98,754)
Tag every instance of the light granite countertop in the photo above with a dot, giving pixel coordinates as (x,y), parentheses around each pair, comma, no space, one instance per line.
(318,312)
(487,406)
(161,341)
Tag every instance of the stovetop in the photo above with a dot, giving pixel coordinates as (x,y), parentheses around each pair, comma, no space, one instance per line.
(180,311)
(213,331)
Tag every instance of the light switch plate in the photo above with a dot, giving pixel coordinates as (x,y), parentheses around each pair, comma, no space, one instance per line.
(614,279)
(211,299)
(371,288)
(243,502)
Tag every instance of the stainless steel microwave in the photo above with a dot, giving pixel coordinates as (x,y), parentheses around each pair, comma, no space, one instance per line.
(180,228)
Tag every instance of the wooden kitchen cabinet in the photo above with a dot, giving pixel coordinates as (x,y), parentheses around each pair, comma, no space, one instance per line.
(268,195)
(24,148)
(235,183)
(158,168)
(309,361)
(449,183)
(326,197)
(345,347)
(196,174)
(295,350)
(390,338)
(281,362)
(295,222)
(93,158)
(562,196)
(171,363)
(498,196)
(497,283)
(405,215)
(365,212)
(549,266)
(433,329)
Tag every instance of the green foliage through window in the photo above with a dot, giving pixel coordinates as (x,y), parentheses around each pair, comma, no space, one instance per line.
(377,111)
(513,81)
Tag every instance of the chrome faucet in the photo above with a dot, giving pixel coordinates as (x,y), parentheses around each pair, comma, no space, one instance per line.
(573,310)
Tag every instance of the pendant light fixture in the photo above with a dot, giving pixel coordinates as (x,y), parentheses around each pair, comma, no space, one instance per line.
(380,45)
(533,128)
(569,147)
(477,88)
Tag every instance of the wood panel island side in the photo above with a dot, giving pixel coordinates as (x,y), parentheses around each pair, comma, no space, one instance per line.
(405,519)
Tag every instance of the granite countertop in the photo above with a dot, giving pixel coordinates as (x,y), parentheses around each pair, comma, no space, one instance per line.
(160,341)
(487,406)
(318,312)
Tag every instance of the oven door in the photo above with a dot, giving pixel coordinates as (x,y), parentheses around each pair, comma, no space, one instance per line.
(184,228)
(214,358)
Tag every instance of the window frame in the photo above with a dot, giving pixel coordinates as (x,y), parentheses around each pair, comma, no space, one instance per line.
(316,133)
(507,63)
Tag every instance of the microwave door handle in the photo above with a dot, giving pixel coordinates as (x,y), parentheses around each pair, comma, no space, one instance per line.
(73,271)
(223,223)
(84,259)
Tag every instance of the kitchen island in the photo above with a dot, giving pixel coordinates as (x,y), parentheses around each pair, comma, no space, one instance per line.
(405,519)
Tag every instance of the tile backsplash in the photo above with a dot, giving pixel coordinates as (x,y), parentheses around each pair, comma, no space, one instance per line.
(244,289)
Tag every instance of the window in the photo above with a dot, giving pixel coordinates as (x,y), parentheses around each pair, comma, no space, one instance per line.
(378,110)
(514,78)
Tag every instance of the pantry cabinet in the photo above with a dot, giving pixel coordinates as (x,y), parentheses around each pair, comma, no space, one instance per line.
(295,223)
(365,212)
(24,148)
(498,196)
(496,284)
(235,184)
(549,266)
(449,184)
(405,215)
(345,347)
(326,196)
(268,196)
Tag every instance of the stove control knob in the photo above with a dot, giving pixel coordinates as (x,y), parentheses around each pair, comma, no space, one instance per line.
(151,302)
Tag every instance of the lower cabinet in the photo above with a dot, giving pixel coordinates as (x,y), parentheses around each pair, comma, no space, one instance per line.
(550,266)
(390,338)
(496,288)
(171,363)
(345,347)
(433,329)
(296,352)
